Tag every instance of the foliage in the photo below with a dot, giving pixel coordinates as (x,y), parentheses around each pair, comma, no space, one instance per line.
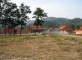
(57,22)
(39,15)
(24,10)
(12,16)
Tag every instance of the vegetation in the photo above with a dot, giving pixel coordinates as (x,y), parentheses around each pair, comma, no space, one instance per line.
(41,47)
(37,47)
(12,16)
(9,13)
(39,15)
(57,22)
(24,10)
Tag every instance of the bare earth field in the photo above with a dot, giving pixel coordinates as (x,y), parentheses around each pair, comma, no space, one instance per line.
(41,47)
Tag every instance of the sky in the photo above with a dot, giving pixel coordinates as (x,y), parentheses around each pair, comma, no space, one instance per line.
(55,8)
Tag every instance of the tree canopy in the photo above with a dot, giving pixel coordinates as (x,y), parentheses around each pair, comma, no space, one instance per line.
(39,15)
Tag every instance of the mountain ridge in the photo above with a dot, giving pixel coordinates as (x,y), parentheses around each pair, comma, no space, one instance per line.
(57,22)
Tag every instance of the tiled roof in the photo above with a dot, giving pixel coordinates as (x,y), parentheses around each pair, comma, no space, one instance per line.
(33,27)
(62,27)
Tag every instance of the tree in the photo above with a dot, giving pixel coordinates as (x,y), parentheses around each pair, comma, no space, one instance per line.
(39,16)
(77,27)
(3,18)
(10,15)
(24,10)
(10,12)
(15,17)
(0,10)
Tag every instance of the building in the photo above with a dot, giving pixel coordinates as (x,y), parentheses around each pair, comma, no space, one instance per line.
(33,28)
(8,31)
(30,29)
(51,29)
(79,31)
(25,31)
(16,31)
(65,28)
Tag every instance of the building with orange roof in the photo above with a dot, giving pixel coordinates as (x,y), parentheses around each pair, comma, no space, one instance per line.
(65,28)
(79,31)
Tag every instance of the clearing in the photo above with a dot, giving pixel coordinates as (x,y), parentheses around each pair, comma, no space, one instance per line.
(41,47)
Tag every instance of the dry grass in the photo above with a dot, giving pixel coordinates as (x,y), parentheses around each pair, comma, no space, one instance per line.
(41,47)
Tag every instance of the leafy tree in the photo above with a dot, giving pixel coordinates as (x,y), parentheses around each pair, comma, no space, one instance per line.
(24,10)
(1,11)
(78,27)
(72,27)
(10,15)
(3,17)
(39,16)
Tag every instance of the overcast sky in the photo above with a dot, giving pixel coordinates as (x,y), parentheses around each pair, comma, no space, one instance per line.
(55,8)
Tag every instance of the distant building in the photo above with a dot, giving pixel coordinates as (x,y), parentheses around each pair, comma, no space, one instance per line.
(30,29)
(16,31)
(8,31)
(33,28)
(24,31)
(51,29)
(79,31)
(65,28)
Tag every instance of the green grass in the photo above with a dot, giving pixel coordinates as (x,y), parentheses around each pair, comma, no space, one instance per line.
(59,39)
(7,39)
(41,47)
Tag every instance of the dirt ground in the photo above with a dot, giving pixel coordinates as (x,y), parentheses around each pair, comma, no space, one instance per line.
(41,47)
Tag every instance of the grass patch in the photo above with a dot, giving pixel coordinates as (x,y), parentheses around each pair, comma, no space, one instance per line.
(41,47)
(60,40)
(3,41)
(6,39)
(80,42)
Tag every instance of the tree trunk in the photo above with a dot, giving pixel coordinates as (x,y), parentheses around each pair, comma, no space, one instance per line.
(8,30)
(5,27)
(21,30)
(14,31)
(36,30)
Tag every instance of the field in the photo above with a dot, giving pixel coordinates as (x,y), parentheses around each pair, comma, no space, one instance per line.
(41,47)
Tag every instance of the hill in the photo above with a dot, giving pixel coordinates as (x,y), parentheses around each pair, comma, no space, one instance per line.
(57,22)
